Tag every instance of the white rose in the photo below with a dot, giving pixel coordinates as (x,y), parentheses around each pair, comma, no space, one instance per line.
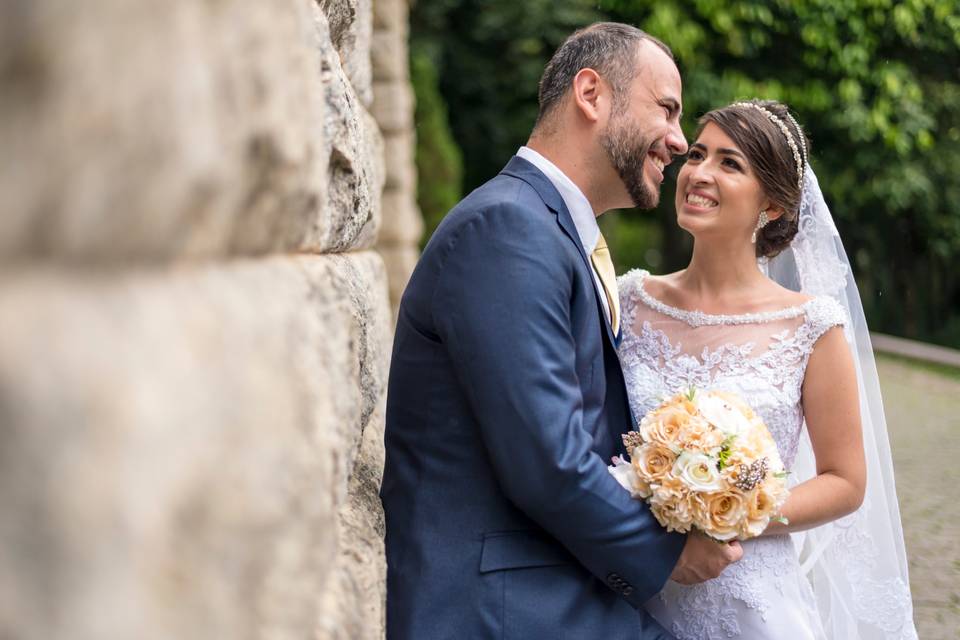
(722,414)
(699,472)
(624,473)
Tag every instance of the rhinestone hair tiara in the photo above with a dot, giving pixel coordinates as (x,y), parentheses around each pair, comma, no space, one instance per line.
(797,156)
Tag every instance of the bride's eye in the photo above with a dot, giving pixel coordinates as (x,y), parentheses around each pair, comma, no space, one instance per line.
(733,164)
(694,154)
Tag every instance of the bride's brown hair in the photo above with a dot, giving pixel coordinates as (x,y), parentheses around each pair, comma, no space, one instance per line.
(772,160)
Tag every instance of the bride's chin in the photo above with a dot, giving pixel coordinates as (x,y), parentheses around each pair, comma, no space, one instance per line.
(690,224)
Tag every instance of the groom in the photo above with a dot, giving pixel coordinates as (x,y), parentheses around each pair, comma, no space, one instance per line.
(506,399)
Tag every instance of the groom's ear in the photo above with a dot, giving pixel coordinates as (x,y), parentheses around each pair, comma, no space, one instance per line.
(590,95)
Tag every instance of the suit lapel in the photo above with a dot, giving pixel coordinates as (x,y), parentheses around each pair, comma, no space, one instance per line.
(526,171)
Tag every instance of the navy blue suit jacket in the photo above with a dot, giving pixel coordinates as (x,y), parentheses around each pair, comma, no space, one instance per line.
(506,402)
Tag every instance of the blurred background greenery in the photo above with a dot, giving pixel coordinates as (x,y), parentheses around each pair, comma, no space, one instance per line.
(876,83)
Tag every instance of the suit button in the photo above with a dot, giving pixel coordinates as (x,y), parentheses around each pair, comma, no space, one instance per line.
(616,582)
(627,590)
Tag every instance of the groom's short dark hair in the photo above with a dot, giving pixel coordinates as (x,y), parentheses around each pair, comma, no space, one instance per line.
(609,48)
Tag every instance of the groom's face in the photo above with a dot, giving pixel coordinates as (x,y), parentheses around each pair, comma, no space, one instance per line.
(643,132)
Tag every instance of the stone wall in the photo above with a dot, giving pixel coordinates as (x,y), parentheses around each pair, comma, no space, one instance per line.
(194,321)
(393,108)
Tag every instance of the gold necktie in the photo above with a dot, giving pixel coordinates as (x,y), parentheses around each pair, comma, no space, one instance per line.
(608,278)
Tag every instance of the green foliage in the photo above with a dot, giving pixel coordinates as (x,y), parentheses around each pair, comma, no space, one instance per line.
(874,82)
(438,158)
(490,54)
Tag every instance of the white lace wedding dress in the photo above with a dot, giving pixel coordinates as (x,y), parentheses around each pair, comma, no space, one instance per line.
(762,358)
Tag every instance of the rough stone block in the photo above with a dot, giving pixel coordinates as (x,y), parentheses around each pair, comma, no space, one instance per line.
(392,15)
(351,27)
(388,53)
(402,222)
(393,106)
(400,262)
(355,171)
(148,131)
(398,155)
(351,606)
(177,447)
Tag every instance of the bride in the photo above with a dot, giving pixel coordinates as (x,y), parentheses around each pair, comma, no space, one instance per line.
(767,308)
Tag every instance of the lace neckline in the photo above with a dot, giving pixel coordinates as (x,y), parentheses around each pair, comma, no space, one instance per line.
(698,318)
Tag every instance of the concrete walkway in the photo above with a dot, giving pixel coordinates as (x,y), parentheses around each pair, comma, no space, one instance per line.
(923,415)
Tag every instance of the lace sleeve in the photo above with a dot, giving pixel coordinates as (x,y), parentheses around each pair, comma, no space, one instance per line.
(627,287)
(823,313)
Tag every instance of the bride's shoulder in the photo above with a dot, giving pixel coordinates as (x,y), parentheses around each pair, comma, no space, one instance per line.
(636,280)
(824,312)
(630,281)
(821,311)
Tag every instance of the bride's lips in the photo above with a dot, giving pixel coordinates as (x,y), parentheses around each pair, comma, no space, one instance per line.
(699,201)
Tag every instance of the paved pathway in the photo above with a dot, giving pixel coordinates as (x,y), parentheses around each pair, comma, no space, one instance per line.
(923,415)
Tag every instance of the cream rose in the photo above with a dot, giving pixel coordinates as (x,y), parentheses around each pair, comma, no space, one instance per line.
(722,413)
(699,472)
(622,471)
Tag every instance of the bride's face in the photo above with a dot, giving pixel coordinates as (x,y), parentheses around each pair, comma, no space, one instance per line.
(718,194)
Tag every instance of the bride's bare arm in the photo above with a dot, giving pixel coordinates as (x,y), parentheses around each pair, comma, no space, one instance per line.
(832,411)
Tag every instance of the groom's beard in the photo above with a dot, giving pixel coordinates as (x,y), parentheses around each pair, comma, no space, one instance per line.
(627,150)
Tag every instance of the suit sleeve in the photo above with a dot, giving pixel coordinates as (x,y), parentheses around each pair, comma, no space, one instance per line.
(502,307)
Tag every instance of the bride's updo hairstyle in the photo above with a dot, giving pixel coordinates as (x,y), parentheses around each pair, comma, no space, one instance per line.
(777,163)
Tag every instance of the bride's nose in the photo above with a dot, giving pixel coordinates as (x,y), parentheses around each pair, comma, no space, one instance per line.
(701,174)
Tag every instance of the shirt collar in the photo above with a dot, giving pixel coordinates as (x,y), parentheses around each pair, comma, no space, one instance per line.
(577,204)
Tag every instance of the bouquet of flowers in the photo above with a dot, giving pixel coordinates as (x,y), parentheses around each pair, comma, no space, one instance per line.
(704,459)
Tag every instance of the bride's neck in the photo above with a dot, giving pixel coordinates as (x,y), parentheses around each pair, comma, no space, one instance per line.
(720,271)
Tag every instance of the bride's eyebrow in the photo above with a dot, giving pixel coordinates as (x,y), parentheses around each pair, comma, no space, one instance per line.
(731,152)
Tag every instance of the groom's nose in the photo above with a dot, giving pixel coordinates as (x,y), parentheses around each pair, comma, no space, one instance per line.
(675,140)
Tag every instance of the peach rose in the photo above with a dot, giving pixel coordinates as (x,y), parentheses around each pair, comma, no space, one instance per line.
(719,514)
(699,435)
(672,505)
(763,503)
(652,461)
(664,425)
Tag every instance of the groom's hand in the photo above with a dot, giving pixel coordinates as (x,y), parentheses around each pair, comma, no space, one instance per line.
(704,559)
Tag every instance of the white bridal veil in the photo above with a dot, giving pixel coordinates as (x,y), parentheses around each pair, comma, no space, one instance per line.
(857,565)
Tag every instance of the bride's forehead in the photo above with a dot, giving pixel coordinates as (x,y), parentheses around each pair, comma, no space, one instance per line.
(713,136)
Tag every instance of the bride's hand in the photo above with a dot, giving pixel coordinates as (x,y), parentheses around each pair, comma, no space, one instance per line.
(704,559)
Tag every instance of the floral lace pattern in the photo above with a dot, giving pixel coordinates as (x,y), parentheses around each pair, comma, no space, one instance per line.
(762,357)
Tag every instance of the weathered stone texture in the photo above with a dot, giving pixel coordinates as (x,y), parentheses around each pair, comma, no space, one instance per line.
(393,106)
(177,448)
(388,52)
(401,174)
(400,261)
(402,225)
(143,131)
(351,27)
(193,333)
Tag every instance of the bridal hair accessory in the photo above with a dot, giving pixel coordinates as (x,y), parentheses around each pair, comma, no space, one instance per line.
(761,223)
(799,158)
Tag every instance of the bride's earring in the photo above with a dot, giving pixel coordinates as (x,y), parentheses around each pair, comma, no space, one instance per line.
(761,223)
